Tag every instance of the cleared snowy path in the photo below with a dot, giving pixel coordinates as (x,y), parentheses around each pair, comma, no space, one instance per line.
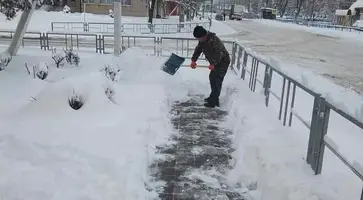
(336,58)
(199,157)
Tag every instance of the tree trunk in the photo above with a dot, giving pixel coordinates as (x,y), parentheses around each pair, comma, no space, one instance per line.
(283,8)
(312,10)
(20,31)
(181,13)
(151,11)
(299,5)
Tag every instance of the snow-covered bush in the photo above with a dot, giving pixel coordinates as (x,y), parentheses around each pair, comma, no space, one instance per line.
(58,58)
(75,101)
(111,72)
(40,70)
(110,13)
(4,61)
(109,92)
(66,9)
(71,58)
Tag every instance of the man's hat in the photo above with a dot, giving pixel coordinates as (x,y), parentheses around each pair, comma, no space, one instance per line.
(199,32)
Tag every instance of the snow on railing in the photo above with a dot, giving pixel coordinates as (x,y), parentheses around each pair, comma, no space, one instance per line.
(145,28)
(318,125)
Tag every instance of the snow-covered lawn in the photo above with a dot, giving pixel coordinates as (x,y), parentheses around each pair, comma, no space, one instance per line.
(41,21)
(102,151)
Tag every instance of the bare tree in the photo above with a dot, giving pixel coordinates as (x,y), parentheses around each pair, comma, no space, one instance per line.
(9,9)
(281,6)
(151,10)
(299,4)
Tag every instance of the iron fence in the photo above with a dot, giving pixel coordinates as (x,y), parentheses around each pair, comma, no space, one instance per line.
(321,108)
(323,25)
(243,62)
(103,43)
(142,28)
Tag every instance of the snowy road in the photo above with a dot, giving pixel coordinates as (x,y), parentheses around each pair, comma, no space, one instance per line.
(336,58)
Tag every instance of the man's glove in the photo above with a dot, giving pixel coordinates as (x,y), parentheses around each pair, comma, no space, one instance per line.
(193,65)
(211,67)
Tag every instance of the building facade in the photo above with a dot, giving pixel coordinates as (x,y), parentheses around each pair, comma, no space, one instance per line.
(348,17)
(136,8)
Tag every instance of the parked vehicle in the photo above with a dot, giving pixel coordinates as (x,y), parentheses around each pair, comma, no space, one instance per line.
(219,17)
(268,13)
(237,11)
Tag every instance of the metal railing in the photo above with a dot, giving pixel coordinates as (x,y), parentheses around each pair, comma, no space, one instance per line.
(318,125)
(142,28)
(242,62)
(103,43)
(323,25)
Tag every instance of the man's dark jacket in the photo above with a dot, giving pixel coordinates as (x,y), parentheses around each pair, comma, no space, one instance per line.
(214,50)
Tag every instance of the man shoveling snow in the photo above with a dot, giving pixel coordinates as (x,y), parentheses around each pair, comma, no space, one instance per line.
(218,57)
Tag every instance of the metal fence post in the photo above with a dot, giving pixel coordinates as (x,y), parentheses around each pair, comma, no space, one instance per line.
(85,27)
(313,128)
(244,64)
(267,83)
(45,41)
(41,40)
(322,129)
(240,49)
(97,44)
(103,44)
(234,50)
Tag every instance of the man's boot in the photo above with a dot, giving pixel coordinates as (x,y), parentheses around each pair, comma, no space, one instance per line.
(211,104)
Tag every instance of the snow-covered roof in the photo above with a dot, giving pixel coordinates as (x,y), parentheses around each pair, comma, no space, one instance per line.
(357,4)
(341,12)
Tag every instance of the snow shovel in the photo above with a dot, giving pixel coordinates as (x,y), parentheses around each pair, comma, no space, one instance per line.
(172,65)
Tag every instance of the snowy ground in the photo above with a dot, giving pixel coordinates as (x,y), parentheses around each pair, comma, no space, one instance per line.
(41,21)
(334,54)
(102,151)
(49,151)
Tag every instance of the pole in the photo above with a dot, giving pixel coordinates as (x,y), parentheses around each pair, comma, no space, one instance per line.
(117,28)
(211,12)
(84,12)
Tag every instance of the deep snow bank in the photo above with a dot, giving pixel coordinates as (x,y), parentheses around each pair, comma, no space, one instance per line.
(102,151)
(273,157)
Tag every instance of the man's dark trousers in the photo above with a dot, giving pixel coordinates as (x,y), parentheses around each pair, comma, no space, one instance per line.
(216,78)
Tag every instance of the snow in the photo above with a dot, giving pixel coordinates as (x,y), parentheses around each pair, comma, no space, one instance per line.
(356,36)
(341,12)
(356,5)
(102,151)
(300,46)
(273,156)
(41,21)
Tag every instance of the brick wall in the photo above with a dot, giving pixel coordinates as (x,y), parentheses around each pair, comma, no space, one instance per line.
(137,8)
